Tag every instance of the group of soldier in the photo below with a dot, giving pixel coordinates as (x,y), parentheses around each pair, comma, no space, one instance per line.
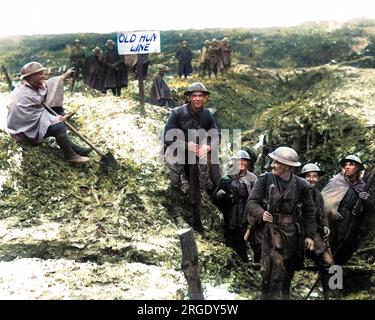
(283,216)
(215,57)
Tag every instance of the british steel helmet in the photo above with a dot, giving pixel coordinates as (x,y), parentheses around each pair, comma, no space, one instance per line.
(310,167)
(241,154)
(30,68)
(285,155)
(196,86)
(354,158)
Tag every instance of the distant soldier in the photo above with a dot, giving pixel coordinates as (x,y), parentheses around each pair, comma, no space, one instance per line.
(231,197)
(227,54)
(322,253)
(340,197)
(116,76)
(77,57)
(29,121)
(93,70)
(144,58)
(184,56)
(216,57)
(192,138)
(205,62)
(282,202)
(160,92)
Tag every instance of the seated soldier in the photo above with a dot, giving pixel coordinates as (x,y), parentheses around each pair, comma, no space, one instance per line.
(29,121)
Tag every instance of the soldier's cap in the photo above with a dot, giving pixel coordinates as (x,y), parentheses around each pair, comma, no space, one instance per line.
(225,39)
(206,42)
(30,68)
(96,49)
(162,67)
(109,41)
(184,42)
(311,167)
(197,86)
(353,158)
(77,41)
(285,155)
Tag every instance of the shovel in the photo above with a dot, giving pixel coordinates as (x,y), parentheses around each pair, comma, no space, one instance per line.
(107,160)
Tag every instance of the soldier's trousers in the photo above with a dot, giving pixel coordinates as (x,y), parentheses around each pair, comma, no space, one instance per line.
(192,174)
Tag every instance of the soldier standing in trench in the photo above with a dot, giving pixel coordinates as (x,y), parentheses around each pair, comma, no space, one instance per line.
(321,255)
(191,138)
(290,202)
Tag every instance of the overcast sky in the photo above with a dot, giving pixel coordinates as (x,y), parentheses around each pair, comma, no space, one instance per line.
(73,16)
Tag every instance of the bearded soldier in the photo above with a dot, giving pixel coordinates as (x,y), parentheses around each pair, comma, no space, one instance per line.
(282,203)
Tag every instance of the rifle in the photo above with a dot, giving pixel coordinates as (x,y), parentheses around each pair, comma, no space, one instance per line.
(10,84)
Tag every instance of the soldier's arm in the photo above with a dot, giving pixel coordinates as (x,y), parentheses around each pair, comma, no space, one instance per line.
(254,209)
(308,213)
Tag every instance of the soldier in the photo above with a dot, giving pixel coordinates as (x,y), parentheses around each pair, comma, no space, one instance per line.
(322,253)
(231,197)
(227,54)
(184,56)
(191,137)
(160,92)
(116,76)
(205,60)
(289,204)
(77,57)
(29,121)
(340,197)
(216,57)
(93,71)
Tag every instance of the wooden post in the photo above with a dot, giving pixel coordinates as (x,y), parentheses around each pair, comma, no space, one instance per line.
(10,85)
(140,84)
(189,263)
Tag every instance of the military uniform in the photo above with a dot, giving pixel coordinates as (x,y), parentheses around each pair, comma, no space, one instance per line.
(283,243)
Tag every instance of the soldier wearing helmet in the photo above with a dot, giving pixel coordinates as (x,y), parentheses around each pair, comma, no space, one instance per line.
(227,54)
(184,56)
(77,57)
(290,208)
(231,197)
(191,138)
(160,92)
(322,254)
(116,73)
(340,197)
(29,121)
(205,62)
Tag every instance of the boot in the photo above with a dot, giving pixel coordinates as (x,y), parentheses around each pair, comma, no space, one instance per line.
(82,151)
(66,147)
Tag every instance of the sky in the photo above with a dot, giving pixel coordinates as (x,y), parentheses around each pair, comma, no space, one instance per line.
(25,17)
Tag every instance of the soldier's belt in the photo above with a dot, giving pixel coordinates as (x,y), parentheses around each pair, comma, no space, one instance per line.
(282,218)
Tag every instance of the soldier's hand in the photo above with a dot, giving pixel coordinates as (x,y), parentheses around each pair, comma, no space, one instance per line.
(309,244)
(267,217)
(326,232)
(203,151)
(337,216)
(364,195)
(192,147)
(220,194)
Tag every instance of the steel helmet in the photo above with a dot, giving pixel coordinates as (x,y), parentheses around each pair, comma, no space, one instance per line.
(241,154)
(197,86)
(285,155)
(31,68)
(354,158)
(310,167)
